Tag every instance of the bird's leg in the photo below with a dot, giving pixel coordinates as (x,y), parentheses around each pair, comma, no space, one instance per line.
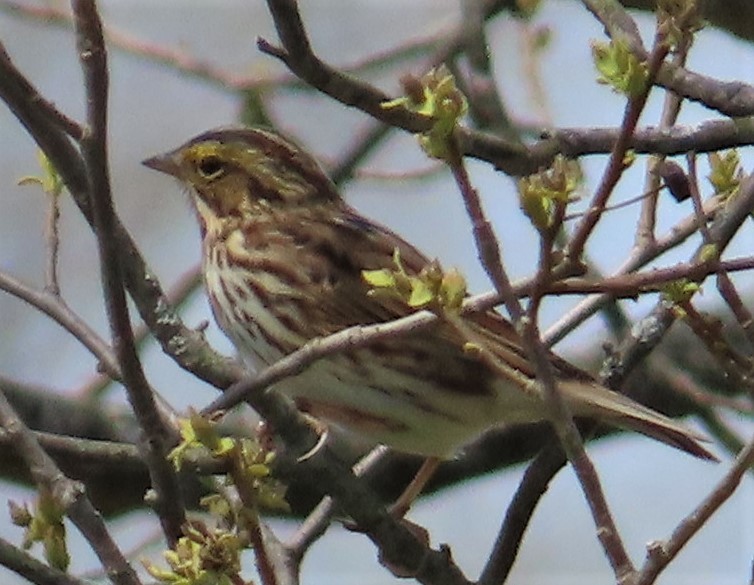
(413,489)
(322,430)
(266,436)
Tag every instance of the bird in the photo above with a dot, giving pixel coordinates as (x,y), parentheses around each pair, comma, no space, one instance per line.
(283,262)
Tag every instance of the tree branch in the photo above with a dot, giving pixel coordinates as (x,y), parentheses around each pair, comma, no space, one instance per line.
(68,494)
(93,56)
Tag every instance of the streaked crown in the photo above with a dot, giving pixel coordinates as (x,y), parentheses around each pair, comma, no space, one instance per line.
(233,172)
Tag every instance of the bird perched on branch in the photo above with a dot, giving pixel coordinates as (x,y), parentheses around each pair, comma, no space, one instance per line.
(284,259)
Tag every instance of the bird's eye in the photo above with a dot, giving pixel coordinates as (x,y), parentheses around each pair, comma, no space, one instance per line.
(211,167)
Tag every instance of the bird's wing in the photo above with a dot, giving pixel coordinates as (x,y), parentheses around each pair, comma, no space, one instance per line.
(371,246)
(361,245)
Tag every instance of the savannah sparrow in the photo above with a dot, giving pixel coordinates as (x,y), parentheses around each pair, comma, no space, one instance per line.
(283,257)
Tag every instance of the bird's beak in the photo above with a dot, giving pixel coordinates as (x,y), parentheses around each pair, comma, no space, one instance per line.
(167,163)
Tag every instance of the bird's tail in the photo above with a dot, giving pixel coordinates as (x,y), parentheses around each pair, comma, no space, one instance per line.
(594,401)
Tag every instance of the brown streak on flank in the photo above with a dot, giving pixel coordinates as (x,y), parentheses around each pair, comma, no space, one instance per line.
(242,293)
(355,362)
(266,299)
(427,407)
(264,296)
(284,272)
(225,290)
(284,347)
(350,417)
(455,372)
(289,322)
(461,377)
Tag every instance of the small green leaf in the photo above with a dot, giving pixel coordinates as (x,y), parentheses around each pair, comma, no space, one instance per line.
(219,506)
(629,157)
(44,525)
(259,470)
(50,181)
(453,290)
(56,549)
(679,20)
(539,193)
(436,97)
(203,556)
(535,206)
(197,432)
(430,286)
(19,514)
(382,278)
(709,252)
(679,291)
(619,68)
(421,294)
(725,173)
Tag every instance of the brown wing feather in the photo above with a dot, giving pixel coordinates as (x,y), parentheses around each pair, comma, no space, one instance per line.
(355,246)
(371,246)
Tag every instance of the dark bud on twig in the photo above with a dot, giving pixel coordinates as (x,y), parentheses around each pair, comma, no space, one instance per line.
(675,180)
(413,88)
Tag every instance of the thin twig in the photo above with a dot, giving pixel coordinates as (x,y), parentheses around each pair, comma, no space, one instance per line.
(732,98)
(533,486)
(671,107)
(52,235)
(696,198)
(730,295)
(487,245)
(91,453)
(678,234)
(560,415)
(367,140)
(400,547)
(617,21)
(718,428)
(70,495)
(93,57)
(709,136)
(54,307)
(315,525)
(660,554)
(486,105)
(616,164)
(510,157)
(297,54)
(683,383)
(252,523)
(32,569)
(186,346)
(178,59)
(648,333)
(562,419)
(177,295)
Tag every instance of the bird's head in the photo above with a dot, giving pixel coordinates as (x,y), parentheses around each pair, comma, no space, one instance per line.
(239,172)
